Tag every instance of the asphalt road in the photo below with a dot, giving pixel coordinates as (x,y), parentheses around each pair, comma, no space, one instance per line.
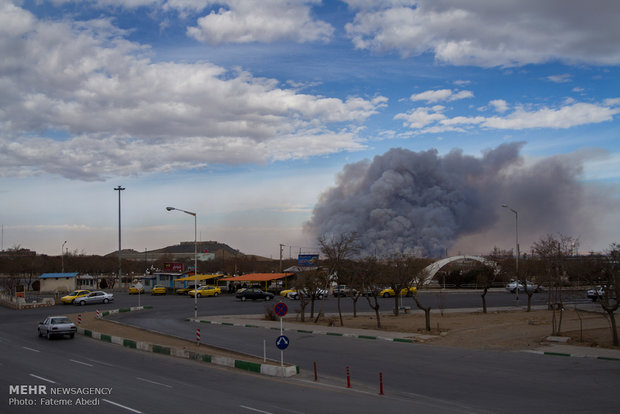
(416,377)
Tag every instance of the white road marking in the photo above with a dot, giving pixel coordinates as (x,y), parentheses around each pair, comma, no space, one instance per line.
(43,379)
(254,409)
(121,406)
(31,349)
(80,362)
(100,362)
(154,382)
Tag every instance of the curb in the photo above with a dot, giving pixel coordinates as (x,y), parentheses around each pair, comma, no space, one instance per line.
(264,369)
(563,354)
(306,331)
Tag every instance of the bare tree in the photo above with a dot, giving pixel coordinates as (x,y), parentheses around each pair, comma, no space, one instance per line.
(610,285)
(370,274)
(553,251)
(338,251)
(399,275)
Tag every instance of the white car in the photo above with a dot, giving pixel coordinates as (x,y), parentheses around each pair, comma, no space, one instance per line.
(319,294)
(56,326)
(94,297)
(531,287)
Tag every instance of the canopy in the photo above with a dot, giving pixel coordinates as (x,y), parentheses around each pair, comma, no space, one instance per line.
(257,277)
(199,277)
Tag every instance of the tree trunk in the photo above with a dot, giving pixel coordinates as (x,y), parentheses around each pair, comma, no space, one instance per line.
(484,299)
(427,312)
(614,330)
(396,305)
(376,308)
(529,301)
(340,312)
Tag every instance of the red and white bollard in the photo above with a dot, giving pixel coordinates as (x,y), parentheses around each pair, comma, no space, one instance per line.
(98,314)
(79,318)
(198,336)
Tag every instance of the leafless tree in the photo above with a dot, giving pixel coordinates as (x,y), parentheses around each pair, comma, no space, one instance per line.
(610,285)
(371,272)
(553,252)
(338,250)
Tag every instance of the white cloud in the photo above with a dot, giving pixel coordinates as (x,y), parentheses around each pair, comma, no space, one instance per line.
(504,33)
(563,78)
(499,105)
(117,112)
(571,114)
(265,21)
(432,96)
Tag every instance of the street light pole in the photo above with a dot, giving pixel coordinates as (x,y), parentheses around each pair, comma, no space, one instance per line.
(518,253)
(119,189)
(195,257)
(62,257)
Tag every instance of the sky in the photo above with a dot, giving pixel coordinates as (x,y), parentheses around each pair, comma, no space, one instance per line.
(249,112)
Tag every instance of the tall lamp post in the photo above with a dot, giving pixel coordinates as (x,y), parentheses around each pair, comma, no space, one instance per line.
(195,258)
(62,256)
(518,254)
(119,189)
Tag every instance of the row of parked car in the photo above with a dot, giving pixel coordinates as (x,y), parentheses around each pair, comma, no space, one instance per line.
(343,291)
(87,297)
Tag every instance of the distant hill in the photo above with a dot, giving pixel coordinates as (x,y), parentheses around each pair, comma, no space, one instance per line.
(186,248)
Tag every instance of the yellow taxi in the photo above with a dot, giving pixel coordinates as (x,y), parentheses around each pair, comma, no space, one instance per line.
(205,291)
(389,292)
(158,290)
(133,290)
(286,292)
(74,295)
(184,290)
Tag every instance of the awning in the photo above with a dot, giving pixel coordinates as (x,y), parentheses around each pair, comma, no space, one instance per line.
(199,277)
(257,277)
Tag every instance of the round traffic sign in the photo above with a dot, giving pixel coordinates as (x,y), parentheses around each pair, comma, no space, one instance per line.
(280,309)
(282,342)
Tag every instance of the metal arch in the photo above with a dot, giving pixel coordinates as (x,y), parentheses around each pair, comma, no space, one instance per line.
(432,269)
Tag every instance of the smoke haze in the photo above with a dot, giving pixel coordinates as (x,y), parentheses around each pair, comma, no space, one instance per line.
(424,204)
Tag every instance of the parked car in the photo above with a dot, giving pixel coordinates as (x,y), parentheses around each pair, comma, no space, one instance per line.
(287,292)
(68,299)
(133,290)
(253,293)
(56,326)
(531,287)
(599,292)
(318,294)
(184,290)
(343,290)
(205,291)
(389,292)
(97,296)
(158,290)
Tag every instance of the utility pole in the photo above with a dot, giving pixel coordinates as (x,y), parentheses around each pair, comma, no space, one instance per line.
(119,189)
(281,246)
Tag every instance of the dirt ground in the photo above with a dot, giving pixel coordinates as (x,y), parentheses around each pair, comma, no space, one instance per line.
(89,321)
(495,330)
(514,330)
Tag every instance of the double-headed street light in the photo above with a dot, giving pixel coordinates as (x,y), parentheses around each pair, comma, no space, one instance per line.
(62,256)
(517,235)
(195,258)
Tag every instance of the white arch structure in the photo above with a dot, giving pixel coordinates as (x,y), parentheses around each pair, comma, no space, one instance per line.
(432,269)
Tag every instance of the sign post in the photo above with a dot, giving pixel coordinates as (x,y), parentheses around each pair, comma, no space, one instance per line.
(282,342)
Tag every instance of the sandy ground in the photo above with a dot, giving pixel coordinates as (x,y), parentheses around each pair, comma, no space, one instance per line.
(495,330)
(509,330)
(89,321)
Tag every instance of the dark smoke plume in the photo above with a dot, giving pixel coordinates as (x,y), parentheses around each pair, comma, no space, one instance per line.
(421,203)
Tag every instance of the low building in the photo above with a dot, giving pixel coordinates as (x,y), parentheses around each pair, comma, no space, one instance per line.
(58,282)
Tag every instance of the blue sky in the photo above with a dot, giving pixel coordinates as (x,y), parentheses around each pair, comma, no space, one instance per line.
(246,111)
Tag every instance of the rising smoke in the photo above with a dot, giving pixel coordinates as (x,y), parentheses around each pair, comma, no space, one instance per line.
(421,203)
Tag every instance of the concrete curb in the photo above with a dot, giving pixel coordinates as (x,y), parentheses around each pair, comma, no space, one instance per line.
(264,369)
(563,354)
(307,331)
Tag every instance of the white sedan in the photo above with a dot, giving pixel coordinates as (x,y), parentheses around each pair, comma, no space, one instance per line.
(94,297)
(531,287)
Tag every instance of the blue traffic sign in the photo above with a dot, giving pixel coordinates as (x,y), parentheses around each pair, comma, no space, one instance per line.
(282,342)
(280,309)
